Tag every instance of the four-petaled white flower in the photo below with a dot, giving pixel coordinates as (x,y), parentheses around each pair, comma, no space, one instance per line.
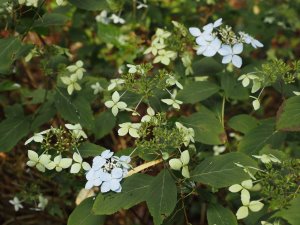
(245,185)
(97,88)
(76,167)
(76,130)
(173,102)
(37,137)
(165,57)
(246,78)
(209,27)
(172,81)
(142,5)
(230,54)
(131,128)
(181,163)
(208,48)
(71,82)
(111,181)
(102,17)
(149,116)
(188,133)
(253,206)
(43,202)
(117,19)
(40,162)
(264,158)
(59,163)
(77,69)
(219,149)
(154,48)
(115,104)
(250,40)
(114,83)
(16,203)
(161,35)
(132,68)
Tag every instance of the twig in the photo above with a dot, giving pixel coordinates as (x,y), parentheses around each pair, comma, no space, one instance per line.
(143,167)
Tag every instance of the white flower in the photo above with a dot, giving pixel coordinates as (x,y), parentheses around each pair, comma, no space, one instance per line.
(76,130)
(253,206)
(201,36)
(149,116)
(165,57)
(245,185)
(208,48)
(218,149)
(76,167)
(16,203)
(230,54)
(37,137)
(131,128)
(43,202)
(71,82)
(59,163)
(97,88)
(154,48)
(61,2)
(114,83)
(246,78)
(111,181)
(189,133)
(40,162)
(181,163)
(77,69)
(267,158)
(33,3)
(115,104)
(102,17)
(142,5)
(211,26)
(161,35)
(124,161)
(172,81)
(256,104)
(250,40)
(132,68)
(116,19)
(173,102)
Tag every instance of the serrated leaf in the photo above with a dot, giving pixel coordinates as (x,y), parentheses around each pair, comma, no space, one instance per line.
(82,214)
(221,171)
(88,149)
(75,109)
(12,130)
(217,214)
(261,136)
(243,123)
(91,5)
(133,192)
(288,116)
(197,91)
(208,128)
(104,123)
(162,197)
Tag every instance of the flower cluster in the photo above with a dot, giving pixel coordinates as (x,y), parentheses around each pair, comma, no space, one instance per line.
(76,73)
(107,171)
(244,188)
(158,46)
(224,41)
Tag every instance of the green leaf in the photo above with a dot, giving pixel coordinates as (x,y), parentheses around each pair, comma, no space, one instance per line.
(261,136)
(104,123)
(221,171)
(92,5)
(8,86)
(83,215)
(197,91)
(88,149)
(9,48)
(217,214)
(291,214)
(75,109)
(133,192)
(243,123)
(208,129)
(51,19)
(288,116)
(162,197)
(207,66)
(232,88)
(44,115)
(12,130)
(109,33)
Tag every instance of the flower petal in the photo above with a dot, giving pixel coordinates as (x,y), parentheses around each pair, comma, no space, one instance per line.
(237,61)
(175,164)
(195,31)
(242,212)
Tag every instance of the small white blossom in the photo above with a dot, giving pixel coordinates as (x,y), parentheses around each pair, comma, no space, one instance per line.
(40,162)
(230,54)
(149,116)
(116,19)
(97,88)
(181,163)
(131,128)
(16,203)
(142,4)
(59,163)
(245,185)
(43,202)
(37,137)
(208,48)
(267,158)
(173,102)
(219,149)
(154,48)
(77,69)
(76,167)
(115,104)
(76,130)
(161,35)
(165,57)
(256,104)
(115,83)
(172,81)
(250,40)
(71,82)
(189,134)
(61,2)
(132,68)
(102,17)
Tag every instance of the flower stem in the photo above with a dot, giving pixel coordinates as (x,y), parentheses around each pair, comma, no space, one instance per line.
(143,166)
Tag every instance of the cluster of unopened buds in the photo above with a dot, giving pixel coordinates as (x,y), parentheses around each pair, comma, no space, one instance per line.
(107,171)
(212,40)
